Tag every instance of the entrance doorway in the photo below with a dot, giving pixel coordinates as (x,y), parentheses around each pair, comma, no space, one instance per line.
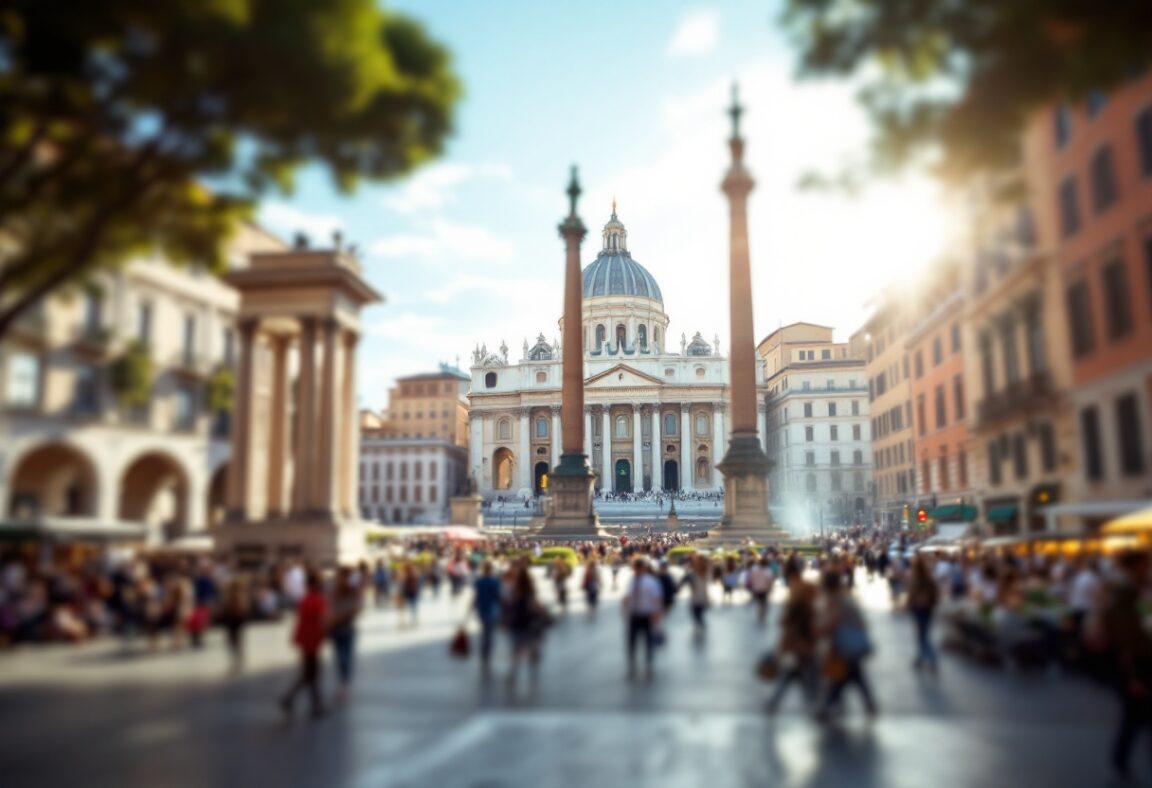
(502,469)
(623,476)
(671,476)
(540,478)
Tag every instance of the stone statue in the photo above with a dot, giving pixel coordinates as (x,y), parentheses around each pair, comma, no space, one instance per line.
(683,344)
(503,351)
(525,356)
(716,343)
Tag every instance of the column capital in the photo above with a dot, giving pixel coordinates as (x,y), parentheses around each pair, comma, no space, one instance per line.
(685,407)
(525,411)
(247,326)
(351,338)
(330,324)
(555,410)
(636,407)
(719,407)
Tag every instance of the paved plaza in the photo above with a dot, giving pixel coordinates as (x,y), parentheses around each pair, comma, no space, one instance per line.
(94,717)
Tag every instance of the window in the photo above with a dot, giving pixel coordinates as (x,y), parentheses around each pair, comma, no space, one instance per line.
(1080,316)
(941,412)
(86,390)
(621,336)
(1118,312)
(490,380)
(621,426)
(1061,125)
(937,351)
(1090,433)
(642,333)
(809,458)
(1069,207)
(825,354)
(857,457)
(144,322)
(805,385)
(541,427)
(22,388)
(855,407)
(858,481)
(185,417)
(919,365)
(835,459)
(93,309)
(189,346)
(993,463)
(1047,447)
(831,408)
(1020,456)
(925,476)
(701,424)
(958,396)
(836,482)
(228,341)
(834,433)
(807,410)
(418,470)
(669,423)
(955,337)
(810,482)
(390,472)
(1128,428)
(1008,349)
(987,364)
(855,432)
(601,335)
(1103,180)
(503,430)
(945,482)
(962,469)
(921,414)
(1144,140)
(830,384)
(809,434)
(541,377)
(1034,336)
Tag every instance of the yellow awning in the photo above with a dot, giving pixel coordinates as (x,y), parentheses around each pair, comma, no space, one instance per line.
(1137,522)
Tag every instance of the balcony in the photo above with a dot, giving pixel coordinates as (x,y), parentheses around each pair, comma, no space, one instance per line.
(93,342)
(1023,395)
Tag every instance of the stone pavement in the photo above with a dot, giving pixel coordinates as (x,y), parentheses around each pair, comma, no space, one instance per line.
(92,716)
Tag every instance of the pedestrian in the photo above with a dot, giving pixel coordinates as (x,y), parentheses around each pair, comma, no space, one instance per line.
(234,612)
(842,623)
(591,586)
(308,637)
(486,603)
(526,621)
(797,647)
(923,596)
(560,574)
(347,601)
(667,585)
(1130,650)
(729,579)
(698,579)
(381,582)
(760,582)
(643,607)
(409,594)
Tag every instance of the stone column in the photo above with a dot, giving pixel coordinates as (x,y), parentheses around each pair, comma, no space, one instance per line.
(762,424)
(555,440)
(350,432)
(687,472)
(304,463)
(719,440)
(657,450)
(606,481)
(637,453)
(327,464)
(588,432)
(476,449)
(277,437)
(526,458)
(238,468)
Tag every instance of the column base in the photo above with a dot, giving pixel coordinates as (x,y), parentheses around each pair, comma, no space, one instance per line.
(321,540)
(467,510)
(570,487)
(746,513)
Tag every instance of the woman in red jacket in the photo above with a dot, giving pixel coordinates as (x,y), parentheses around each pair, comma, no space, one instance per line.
(308,636)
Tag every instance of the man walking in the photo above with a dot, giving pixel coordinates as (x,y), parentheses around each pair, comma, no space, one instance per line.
(643,609)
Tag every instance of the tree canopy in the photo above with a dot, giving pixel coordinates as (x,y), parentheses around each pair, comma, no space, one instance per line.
(952,82)
(114,115)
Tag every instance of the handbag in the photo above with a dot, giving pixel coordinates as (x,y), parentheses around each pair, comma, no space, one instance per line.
(768,668)
(852,642)
(460,646)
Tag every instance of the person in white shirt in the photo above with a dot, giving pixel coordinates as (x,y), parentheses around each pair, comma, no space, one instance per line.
(1083,594)
(760,581)
(643,608)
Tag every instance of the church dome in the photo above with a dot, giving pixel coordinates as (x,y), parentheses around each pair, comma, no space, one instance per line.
(614,272)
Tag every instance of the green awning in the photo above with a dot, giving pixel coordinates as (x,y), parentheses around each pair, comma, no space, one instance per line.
(1002,514)
(954,512)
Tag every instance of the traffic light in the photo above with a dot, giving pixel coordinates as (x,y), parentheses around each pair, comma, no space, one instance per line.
(921,516)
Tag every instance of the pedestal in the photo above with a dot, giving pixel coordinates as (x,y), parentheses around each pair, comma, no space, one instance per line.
(746,513)
(467,510)
(322,541)
(572,513)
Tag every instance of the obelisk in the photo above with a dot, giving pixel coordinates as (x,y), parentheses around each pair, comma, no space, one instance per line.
(571,482)
(745,466)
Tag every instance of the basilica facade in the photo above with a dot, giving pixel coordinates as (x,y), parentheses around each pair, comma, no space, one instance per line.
(654,416)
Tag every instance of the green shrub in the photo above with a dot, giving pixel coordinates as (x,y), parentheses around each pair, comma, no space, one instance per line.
(681,553)
(131,375)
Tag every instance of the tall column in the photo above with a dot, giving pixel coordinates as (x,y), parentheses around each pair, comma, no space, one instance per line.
(350,432)
(745,466)
(526,458)
(238,468)
(325,469)
(555,434)
(762,423)
(606,482)
(588,432)
(637,455)
(719,439)
(476,450)
(305,419)
(657,451)
(687,472)
(277,454)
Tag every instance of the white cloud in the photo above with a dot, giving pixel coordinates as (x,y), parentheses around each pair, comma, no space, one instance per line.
(441,240)
(696,34)
(474,285)
(431,188)
(288,220)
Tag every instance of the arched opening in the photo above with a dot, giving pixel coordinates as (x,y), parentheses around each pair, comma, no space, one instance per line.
(623,476)
(702,470)
(502,469)
(656,335)
(154,491)
(671,475)
(600,337)
(642,336)
(217,497)
(621,426)
(53,481)
(540,478)
(490,380)
(621,336)
(860,506)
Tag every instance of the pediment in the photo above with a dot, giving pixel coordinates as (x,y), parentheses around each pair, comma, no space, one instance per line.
(621,376)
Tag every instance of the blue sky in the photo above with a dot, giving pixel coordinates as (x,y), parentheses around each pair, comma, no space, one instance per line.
(466,249)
